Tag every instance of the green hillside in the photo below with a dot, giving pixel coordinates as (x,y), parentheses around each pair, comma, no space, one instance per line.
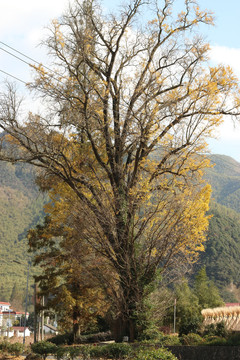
(222,248)
(224,178)
(21,207)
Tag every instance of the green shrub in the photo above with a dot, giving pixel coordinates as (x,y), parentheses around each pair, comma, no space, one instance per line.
(216,341)
(85,352)
(73,352)
(16,348)
(44,348)
(94,338)
(192,339)
(111,351)
(154,354)
(4,346)
(61,352)
(62,339)
(218,329)
(161,338)
(209,330)
(97,351)
(119,351)
(170,340)
(190,325)
(67,338)
(152,334)
(234,339)
(154,338)
(221,329)
(32,356)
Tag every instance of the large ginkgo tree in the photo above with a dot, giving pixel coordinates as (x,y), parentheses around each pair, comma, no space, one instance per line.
(130,102)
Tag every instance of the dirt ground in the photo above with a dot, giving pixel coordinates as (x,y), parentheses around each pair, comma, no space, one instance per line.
(11,357)
(28,340)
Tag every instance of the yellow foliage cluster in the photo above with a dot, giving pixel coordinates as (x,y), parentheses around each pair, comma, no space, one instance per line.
(58,33)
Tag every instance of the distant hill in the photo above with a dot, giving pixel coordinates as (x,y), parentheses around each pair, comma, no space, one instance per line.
(21,207)
(224,178)
(222,248)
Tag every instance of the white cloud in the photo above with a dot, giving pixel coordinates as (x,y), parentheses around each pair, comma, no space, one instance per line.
(22,26)
(25,14)
(226,56)
(227,132)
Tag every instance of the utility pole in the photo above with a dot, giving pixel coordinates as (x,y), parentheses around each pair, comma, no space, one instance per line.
(42,320)
(8,333)
(35,312)
(174,316)
(26,303)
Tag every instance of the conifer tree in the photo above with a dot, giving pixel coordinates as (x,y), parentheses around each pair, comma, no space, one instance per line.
(207,293)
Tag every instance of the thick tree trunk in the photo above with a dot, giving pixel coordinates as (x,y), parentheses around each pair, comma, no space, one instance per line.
(119,329)
(76,331)
(76,325)
(126,324)
(131,294)
(122,328)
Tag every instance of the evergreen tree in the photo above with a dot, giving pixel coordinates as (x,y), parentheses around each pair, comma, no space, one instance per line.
(205,290)
(188,309)
(17,298)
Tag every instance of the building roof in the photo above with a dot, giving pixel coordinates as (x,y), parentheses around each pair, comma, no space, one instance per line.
(232,304)
(10,311)
(21,313)
(20,328)
(51,327)
(4,303)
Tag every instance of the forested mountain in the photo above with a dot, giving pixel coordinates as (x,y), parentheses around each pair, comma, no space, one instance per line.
(224,178)
(21,207)
(222,248)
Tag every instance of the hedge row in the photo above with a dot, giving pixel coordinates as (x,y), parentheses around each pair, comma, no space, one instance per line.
(15,349)
(110,351)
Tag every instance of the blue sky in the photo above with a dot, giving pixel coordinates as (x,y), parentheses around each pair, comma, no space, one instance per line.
(22,27)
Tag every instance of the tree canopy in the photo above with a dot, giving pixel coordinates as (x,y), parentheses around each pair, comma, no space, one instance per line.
(130,105)
(67,280)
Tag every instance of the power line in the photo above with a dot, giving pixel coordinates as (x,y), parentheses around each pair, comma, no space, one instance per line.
(24,82)
(17,57)
(19,52)
(14,77)
(27,57)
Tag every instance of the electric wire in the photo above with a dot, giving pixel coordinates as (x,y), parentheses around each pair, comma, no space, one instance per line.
(24,82)
(17,57)
(14,77)
(27,57)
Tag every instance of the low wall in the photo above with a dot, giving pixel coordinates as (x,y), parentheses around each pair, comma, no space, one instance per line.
(206,352)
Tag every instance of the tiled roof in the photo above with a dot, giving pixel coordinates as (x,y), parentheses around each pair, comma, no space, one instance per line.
(19,328)
(8,312)
(20,313)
